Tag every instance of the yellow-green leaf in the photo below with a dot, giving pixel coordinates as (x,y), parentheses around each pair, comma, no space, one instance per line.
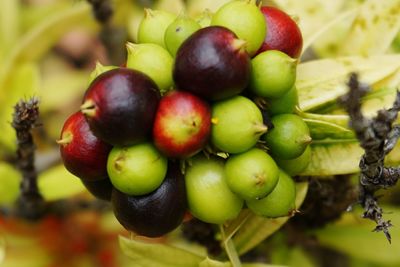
(374,28)
(353,236)
(146,254)
(257,228)
(334,157)
(9,181)
(322,130)
(24,83)
(213,263)
(57,183)
(41,38)
(321,82)
(9,24)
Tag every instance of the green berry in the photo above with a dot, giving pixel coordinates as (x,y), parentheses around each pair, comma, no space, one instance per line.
(152,60)
(237,124)
(178,31)
(153,25)
(208,194)
(252,174)
(289,137)
(246,20)
(136,170)
(297,165)
(99,70)
(280,202)
(204,19)
(273,74)
(284,104)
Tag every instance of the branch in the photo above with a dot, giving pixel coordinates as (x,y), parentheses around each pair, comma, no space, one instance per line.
(30,203)
(377,137)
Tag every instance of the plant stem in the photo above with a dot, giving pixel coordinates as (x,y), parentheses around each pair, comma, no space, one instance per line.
(30,203)
(230,249)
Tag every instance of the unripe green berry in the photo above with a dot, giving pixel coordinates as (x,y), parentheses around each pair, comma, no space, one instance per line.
(273,74)
(280,202)
(284,104)
(289,137)
(252,174)
(152,60)
(237,124)
(153,25)
(297,165)
(136,170)
(178,31)
(246,20)
(99,70)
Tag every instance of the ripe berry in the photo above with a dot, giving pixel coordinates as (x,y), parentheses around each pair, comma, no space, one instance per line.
(83,154)
(136,170)
(283,33)
(101,189)
(212,63)
(156,213)
(252,174)
(120,106)
(237,124)
(182,125)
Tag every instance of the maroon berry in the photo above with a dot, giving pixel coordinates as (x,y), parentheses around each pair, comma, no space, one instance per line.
(283,33)
(212,63)
(101,189)
(182,124)
(120,106)
(156,213)
(83,154)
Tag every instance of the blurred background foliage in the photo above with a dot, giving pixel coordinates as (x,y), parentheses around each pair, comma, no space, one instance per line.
(48,49)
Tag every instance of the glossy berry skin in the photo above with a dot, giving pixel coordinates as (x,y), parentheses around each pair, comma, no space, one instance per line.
(156,213)
(212,63)
(182,125)
(120,106)
(101,189)
(84,155)
(283,33)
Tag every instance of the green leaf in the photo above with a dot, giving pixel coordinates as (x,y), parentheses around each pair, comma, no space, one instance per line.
(213,263)
(57,183)
(24,82)
(322,130)
(374,29)
(9,181)
(334,157)
(42,37)
(230,249)
(321,82)
(146,254)
(353,237)
(9,24)
(257,228)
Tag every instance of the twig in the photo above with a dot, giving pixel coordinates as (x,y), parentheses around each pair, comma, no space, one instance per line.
(377,137)
(112,37)
(30,203)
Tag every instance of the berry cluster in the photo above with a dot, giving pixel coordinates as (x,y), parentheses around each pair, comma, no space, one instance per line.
(190,86)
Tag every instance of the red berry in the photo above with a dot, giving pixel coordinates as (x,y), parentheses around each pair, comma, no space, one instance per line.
(182,124)
(283,33)
(83,154)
